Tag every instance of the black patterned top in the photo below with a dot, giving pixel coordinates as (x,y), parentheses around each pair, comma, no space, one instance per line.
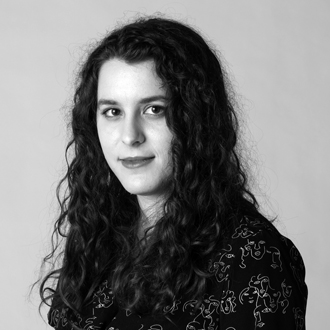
(257,283)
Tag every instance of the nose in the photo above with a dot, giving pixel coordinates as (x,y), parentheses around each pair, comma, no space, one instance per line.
(132,132)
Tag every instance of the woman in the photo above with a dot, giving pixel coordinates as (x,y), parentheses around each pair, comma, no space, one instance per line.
(161,230)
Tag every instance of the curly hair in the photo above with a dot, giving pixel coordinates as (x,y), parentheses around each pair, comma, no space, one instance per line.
(98,218)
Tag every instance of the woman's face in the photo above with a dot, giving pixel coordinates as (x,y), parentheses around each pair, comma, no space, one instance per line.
(132,128)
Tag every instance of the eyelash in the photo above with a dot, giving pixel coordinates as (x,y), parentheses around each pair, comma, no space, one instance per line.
(162,109)
(107,111)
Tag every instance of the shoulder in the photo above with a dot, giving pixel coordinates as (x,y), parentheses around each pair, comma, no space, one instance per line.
(259,244)
(262,276)
(98,311)
(257,241)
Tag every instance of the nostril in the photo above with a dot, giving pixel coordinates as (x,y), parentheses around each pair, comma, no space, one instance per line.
(133,135)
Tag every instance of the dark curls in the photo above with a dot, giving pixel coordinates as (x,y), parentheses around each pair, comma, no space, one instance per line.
(98,218)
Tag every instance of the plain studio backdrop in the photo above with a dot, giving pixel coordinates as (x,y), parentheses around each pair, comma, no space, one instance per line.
(277,54)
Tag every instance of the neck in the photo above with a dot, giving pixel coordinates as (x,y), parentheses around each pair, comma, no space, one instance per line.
(151,212)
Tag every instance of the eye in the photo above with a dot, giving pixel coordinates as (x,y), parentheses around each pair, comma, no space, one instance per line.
(155,110)
(112,112)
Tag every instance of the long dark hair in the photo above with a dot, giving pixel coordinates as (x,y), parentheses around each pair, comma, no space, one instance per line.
(98,218)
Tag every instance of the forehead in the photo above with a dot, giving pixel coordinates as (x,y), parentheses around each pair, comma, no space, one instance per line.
(117,77)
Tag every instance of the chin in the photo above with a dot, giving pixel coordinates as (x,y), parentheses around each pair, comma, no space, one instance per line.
(144,191)
(137,190)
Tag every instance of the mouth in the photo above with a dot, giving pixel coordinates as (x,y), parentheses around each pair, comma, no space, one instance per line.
(135,162)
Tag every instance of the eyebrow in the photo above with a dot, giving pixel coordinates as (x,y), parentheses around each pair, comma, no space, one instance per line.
(141,101)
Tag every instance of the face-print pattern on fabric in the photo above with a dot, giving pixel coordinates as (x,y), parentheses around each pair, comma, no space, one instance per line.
(255,249)
(207,315)
(264,297)
(103,298)
(256,282)
(173,308)
(299,316)
(58,317)
(64,321)
(228,302)
(276,258)
(221,264)
(297,266)
(244,232)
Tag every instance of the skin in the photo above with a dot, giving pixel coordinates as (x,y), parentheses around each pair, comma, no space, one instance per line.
(131,123)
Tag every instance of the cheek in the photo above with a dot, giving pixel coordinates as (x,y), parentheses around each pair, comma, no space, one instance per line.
(108,150)
(164,137)
(166,148)
(107,138)
(168,163)
(100,133)
(103,142)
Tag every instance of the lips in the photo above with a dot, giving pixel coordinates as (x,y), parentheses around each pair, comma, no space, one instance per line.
(135,162)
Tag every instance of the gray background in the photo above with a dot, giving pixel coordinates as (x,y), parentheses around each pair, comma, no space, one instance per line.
(277,53)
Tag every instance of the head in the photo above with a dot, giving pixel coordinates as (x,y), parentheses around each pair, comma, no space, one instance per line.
(197,133)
